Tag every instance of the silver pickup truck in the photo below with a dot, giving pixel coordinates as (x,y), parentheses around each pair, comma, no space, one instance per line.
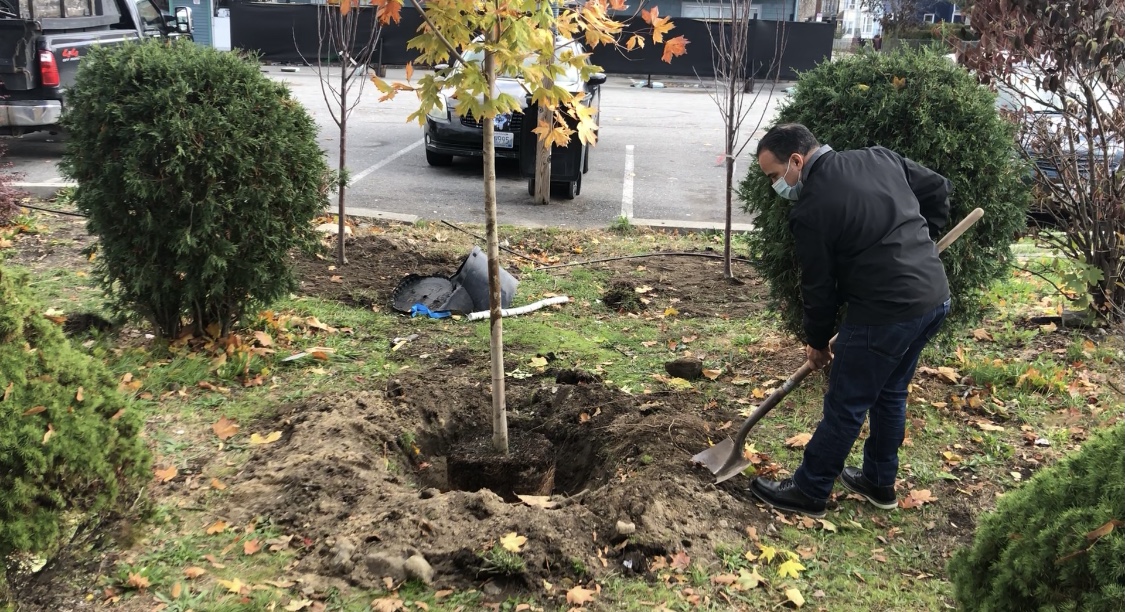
(43,41)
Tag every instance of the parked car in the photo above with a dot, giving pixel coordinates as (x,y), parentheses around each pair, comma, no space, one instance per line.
(43,41)
(448,135)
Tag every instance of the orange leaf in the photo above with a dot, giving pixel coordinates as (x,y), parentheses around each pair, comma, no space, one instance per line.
(117,415)
(251,546)
(137,581)
(674,47)
(578,595)
(177,590)
(194,572)
(34,410)
(78,396)
(617,5)
(1104,530)
(224,428)
(409,70)
(263,338)
(345,7)
(319,355)
(217,485)
(799,440)
(650,14)
(389,10)
(680,561)
(217,527)
(166,474)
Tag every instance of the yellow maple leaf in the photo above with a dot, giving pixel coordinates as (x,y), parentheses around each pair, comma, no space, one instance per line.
(234,586)
(270,438)
(768,552)
(513,542)
(791,568)
(660,27)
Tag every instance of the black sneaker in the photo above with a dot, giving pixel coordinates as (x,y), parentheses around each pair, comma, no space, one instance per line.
(785,495)
(854,481)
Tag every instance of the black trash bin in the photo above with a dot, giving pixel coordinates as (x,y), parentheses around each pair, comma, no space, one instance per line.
(567,163)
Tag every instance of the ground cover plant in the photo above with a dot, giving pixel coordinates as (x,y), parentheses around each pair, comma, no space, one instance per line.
(303,462)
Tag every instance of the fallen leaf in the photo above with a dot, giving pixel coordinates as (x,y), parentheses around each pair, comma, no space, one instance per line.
(791,568)
(270,438)
(387,604)
(513,542)
(167,473)
(234,586)
(50,432)
(117,415)
(537,362)
(712,374)
(982,335)
(225,428)
(137,581)
(217,527)
(79,395)
(213,561)
(748,579)
(442,594)
(336,279)
(724,579)
(680,561)
(8,391)
(579,596)
(986,426)
(295,605)
(34,410)
(177,590)
(758,393)
(1104,530)
(583,417)
(194,572)
(827,525)
(1048,328)
(795,597)
(768,552)
(263,338)
(251,547)
(670,312)
(916,498)
(799,440)
(217,485)
(538,501)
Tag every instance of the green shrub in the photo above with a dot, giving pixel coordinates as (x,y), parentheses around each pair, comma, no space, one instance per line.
(1038,549)
(199,176)
(939,117)
(68,445)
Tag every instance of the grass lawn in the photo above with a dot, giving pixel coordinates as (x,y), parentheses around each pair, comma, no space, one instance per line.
(299,463)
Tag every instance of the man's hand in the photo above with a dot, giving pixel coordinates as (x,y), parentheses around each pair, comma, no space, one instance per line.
(819,358)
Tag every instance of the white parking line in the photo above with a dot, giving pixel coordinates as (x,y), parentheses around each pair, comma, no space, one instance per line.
(366,171)
(627,185)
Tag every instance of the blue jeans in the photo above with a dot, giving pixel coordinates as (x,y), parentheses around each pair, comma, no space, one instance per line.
(871,368)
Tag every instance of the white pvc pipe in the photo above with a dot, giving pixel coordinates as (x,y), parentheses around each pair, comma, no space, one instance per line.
(511,312)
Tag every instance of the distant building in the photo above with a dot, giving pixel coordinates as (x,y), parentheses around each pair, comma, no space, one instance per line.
(857,21)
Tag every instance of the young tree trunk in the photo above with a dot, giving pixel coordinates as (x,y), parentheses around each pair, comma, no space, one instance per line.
(342,186)
(728,146)
(499,414)
(543,160)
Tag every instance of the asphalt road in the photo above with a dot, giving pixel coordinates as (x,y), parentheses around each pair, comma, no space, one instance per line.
(670,138)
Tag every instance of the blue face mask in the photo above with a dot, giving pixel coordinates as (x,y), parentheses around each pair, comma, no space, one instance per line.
(785,190)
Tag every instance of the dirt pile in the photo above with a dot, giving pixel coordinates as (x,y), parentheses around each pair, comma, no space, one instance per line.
(364,477)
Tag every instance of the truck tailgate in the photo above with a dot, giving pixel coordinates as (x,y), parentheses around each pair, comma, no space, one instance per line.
(17,54)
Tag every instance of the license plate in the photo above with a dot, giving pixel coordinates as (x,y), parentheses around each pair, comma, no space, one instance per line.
(504,140)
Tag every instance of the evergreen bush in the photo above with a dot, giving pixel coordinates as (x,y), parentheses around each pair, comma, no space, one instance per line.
(1043,548)
(926,108)
(199,176)
(68,445)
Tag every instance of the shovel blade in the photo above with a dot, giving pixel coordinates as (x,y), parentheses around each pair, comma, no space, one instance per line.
(717,458)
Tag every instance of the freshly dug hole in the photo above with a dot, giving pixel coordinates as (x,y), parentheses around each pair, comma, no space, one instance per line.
(528,468)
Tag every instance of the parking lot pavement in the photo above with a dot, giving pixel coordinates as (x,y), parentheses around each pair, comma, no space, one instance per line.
(658,157)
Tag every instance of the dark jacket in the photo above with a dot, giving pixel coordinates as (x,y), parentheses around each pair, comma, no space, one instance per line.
(864,227)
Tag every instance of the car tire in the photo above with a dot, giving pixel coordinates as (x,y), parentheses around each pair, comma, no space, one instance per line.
(569,189)
(586,160)
(438,159)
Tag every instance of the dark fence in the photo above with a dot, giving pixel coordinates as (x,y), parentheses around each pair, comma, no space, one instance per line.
(287,34)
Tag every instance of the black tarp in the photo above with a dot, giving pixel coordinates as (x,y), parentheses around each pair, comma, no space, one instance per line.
(287,34)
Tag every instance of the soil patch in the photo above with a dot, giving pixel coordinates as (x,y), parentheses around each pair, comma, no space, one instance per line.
(376,264)
(366,478)
(58,244)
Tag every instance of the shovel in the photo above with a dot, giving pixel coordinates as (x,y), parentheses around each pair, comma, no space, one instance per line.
(726,459)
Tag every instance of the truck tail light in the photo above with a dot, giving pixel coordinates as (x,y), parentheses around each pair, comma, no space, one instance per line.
(48,69)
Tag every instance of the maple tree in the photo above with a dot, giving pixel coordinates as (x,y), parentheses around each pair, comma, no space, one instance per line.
(735,97)
(339,33)
(508,37)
